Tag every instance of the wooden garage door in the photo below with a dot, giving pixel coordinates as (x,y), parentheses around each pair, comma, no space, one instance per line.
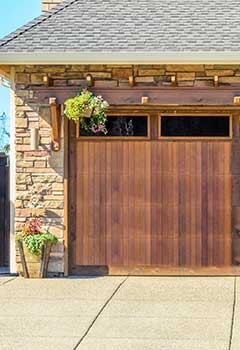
(153,203)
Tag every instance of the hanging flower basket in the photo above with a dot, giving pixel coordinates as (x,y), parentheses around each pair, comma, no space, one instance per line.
(88,113)
(89,110)
(35,247)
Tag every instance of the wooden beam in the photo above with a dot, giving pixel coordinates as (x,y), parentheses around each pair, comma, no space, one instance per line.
(172,109)
(56,123)
(170,96)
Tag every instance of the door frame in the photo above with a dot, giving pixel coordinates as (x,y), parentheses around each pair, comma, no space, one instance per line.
(69,176)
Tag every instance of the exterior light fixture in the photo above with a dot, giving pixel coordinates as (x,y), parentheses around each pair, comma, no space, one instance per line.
(216,80)
(90,80)
(34,139)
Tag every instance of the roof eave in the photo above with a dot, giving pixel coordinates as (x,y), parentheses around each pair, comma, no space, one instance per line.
(22,58)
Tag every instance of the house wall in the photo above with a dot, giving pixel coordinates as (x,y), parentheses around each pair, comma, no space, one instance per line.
(42,171)
(49,4)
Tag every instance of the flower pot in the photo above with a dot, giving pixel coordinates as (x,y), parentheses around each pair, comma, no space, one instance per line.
(34,266)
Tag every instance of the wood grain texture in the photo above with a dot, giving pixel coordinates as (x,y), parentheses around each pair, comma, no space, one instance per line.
(153,203)
(178,96)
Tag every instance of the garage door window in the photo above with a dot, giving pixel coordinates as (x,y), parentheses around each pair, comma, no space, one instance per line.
(122,126)
(195,126)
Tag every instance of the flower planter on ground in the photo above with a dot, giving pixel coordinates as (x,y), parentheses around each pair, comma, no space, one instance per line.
(34,266)
(35,245)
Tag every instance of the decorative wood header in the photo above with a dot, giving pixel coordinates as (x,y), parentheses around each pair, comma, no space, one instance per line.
(168,96)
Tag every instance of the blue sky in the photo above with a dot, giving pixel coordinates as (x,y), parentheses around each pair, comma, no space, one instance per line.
(15,13)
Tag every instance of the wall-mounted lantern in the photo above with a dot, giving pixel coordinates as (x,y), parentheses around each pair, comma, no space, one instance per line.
(34,139)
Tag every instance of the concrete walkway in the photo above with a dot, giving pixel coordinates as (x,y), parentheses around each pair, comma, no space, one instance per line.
(118,313)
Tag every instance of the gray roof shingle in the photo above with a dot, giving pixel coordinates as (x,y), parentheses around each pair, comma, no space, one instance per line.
(131,26)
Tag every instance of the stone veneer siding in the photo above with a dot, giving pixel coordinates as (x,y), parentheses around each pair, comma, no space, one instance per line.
(49,4)
(43,169)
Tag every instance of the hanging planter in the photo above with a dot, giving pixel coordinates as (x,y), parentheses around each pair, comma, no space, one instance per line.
(35,246)
(89,110)
(88,113)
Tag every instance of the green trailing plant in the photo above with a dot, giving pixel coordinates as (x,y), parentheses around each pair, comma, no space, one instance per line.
(35,243)
(89,110)
(35,237)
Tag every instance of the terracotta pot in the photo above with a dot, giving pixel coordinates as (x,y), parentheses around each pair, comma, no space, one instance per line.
(34,266)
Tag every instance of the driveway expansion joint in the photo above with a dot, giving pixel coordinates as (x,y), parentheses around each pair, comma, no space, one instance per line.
(233,313)
(77,346)
(8,281)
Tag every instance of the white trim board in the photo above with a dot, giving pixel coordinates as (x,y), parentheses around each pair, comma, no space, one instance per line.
(120,58)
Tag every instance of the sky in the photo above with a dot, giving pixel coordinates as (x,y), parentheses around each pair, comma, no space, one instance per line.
(15,13)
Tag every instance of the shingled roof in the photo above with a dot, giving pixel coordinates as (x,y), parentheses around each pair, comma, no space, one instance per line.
(135,26)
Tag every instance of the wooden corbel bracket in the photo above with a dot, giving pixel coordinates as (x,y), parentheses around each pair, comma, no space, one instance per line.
(56,123)
(236,100)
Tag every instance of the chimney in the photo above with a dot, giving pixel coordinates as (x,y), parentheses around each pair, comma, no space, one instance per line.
(49,4)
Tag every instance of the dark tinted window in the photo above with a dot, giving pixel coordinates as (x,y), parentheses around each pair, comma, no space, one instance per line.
(128,126)
(194,126)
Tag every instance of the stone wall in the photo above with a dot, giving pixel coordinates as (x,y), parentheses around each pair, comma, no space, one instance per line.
(117,76)
(42,171)
(49,4)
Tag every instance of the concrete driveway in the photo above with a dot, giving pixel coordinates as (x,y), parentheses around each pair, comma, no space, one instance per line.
(118,313)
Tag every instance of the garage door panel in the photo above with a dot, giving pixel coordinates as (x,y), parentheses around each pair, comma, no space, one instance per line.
(153,203)
(166,251)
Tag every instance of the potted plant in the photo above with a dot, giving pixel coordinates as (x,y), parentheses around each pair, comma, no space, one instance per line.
(35,245)
(89,110)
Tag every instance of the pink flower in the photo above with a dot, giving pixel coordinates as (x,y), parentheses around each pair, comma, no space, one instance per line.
(100,127)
